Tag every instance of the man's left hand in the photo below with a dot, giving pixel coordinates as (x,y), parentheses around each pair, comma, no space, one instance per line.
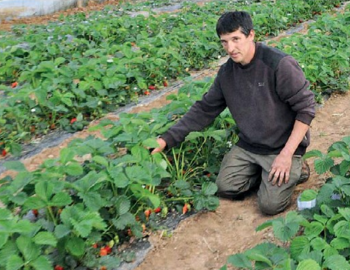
(280,169)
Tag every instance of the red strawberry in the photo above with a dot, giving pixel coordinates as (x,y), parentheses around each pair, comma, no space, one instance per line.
(165,83)
(148,212)
(3,152)
(151,87)
(14,84)
(147,93)
(73,121)
(157,210)
(59,267)
(103,251)
(184,209)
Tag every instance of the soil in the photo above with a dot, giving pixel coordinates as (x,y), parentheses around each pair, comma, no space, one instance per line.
(205,240)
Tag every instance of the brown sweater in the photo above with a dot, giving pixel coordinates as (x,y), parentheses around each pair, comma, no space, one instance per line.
(265,97)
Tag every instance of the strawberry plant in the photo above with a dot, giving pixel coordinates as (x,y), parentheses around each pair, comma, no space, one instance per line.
(316,238)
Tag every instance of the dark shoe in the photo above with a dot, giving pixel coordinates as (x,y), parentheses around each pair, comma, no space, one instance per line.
(305,173)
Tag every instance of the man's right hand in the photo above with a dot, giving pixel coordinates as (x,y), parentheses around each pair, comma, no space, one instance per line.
(162,145)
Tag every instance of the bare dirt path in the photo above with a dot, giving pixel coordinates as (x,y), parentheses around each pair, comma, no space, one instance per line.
(203,241)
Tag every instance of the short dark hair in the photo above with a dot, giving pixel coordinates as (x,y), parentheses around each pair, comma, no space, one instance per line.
(232,21)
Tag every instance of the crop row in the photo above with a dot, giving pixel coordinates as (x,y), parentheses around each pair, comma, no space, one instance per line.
(64,74)
(316,238)
(76,210)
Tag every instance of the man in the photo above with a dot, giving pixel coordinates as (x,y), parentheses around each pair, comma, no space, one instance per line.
(268,97)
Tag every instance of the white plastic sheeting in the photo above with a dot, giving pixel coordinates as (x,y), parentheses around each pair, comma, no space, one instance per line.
(27,8)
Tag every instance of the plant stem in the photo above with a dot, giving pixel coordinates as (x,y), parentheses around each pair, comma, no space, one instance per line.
(49,208)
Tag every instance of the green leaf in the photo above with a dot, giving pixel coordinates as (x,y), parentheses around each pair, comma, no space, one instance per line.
(122,205)
(100,160)
(150,142)
(323,165)
(75,246)
(140,153)
(340,243)
(319,243)
(308,195)
(83,227)
(240,260)
(119,178)
(124,221)
(61,231)
(299,246)
(194,135)
(344,167)
(45,238)
(6,251)
(25,227)
(3,239)
(329,252)
(74,169)
(66,155)
(314,229)
(5,214)
(336,262)
(313,153)
(284,230)
(182,184)
(14,262)
(264,225)
(41,263)
(154,199)
(93,200)
(59,60)
(15,165)
(342,229)
(35,203)
(327,210)
(60,199)
(345,212)
(209,188)
(29,250)
(308,264)
(44,189)
(256,256)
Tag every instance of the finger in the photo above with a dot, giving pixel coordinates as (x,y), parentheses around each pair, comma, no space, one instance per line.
(281,179)
(155,150)
(275,178)
(271,174)
(286,178)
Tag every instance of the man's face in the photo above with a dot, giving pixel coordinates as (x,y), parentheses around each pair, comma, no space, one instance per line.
(240,48)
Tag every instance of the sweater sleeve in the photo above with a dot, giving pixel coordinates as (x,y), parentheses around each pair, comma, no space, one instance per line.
(200,115)
(293,88)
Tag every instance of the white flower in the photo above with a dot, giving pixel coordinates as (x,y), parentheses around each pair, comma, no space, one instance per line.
(110,60)
(32,110)
(219,56)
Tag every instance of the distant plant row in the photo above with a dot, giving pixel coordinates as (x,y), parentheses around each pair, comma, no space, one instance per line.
(64,74)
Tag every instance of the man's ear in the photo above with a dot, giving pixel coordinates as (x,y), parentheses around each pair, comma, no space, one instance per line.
(252,34)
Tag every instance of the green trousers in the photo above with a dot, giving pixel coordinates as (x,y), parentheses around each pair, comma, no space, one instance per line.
(242,170)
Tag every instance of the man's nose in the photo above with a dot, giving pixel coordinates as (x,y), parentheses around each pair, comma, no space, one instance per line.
(230,46)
